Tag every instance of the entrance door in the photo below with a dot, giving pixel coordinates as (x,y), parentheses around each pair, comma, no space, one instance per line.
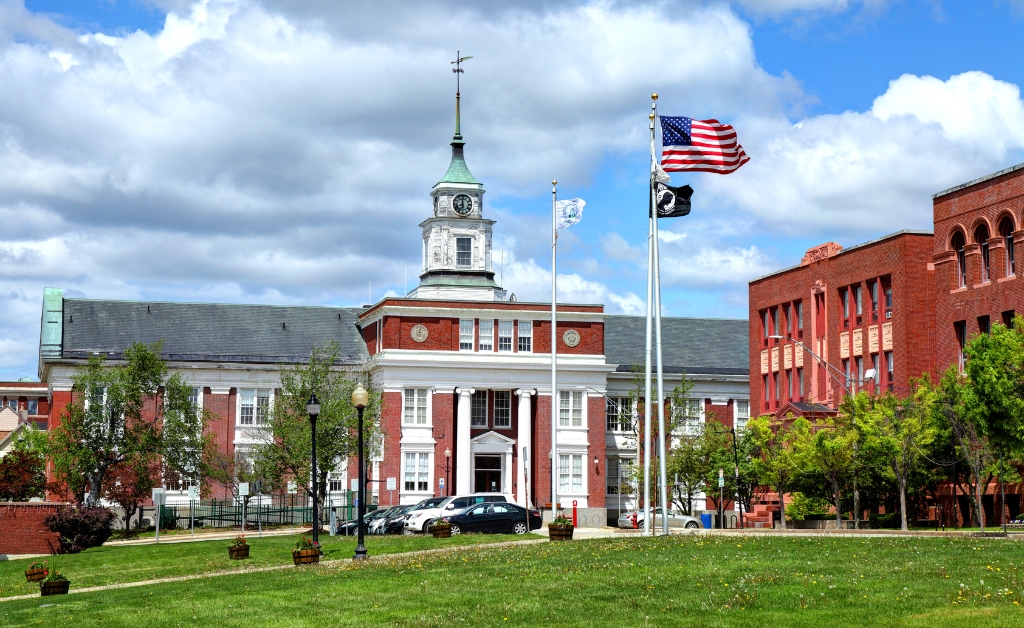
(488,474)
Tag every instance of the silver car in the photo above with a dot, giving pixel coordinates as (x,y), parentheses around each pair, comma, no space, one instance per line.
(675,520)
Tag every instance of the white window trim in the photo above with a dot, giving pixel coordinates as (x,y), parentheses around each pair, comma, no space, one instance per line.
(417,449)
(580,450)
(490,344)
(583,414)
(519,334)
(511,337)
(472,342)
(680,429)
(238,407)
(631,409)
(736,413)
(430,409)
(494,421)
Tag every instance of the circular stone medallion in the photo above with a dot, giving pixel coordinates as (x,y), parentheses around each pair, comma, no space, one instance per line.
(571,338)
(419,333)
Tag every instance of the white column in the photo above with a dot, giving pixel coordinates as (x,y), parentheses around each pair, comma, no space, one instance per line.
(524,442)
(507,488)
(462,453)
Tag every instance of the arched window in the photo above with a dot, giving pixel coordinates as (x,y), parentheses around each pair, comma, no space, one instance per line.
(1006,232)
(957,243)
(981,237)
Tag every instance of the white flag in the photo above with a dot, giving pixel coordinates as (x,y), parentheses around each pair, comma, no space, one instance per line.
(661,176)
(569,212)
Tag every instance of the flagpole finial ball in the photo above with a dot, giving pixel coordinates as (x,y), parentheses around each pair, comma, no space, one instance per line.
(654,96)
(651,116)
(553,182)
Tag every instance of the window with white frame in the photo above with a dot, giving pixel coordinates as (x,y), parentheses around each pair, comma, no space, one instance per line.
(465,334)
(463,252)
(504,335)
(502,409)
(742,414)
(417,471)
(478,409)
(254,406)
(415,411)
(33,406)
(525,336)
(570,473)
(613,478)
(570,408)
(336,482)
(486,335)
(689,416)
(618,414)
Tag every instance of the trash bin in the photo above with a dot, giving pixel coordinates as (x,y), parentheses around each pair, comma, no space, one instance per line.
(705,519)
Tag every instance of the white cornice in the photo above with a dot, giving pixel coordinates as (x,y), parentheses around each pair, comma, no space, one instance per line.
(468,311)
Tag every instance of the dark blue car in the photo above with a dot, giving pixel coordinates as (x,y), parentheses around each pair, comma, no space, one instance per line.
(495,519)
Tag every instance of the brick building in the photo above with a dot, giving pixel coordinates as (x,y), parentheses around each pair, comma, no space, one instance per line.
(464,369)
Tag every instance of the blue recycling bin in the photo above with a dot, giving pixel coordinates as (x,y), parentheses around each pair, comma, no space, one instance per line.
(705,519)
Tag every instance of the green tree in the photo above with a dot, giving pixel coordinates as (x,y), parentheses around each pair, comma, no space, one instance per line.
(287,453)
(993,399)
(125,412)
(827,447)
(694,460)
(773,454)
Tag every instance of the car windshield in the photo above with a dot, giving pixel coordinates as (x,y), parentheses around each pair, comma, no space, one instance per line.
(433,502)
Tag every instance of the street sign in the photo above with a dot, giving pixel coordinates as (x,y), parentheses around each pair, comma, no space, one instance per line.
(721,478)
(440,483)
(158,496)
(193,493)
(293,487)
(393,484)
(243,489)
(355,484)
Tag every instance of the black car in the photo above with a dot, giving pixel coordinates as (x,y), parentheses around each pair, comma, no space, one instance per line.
(349,528)
(396,521)
(495,518)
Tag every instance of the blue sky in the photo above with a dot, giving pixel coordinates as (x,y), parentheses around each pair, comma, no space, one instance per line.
(282,151)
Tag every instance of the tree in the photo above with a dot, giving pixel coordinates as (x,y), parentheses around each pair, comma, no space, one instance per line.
(22,476)
(695,459)
(773,456)
(827,448)
(993,399)
(286,454)
(118,414)
(129,484)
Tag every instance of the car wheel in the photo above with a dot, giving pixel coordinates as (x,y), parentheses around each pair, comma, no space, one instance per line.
(427,525)
(640,524)
(692,525)
(407,531)
(456,529)
(519,527)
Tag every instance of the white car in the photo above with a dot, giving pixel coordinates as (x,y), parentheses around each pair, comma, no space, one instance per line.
(420,520)
(675,520)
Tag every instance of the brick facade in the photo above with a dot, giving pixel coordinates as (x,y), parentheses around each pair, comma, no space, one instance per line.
(24,531)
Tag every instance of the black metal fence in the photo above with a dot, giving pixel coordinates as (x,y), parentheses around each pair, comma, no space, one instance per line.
(267,510)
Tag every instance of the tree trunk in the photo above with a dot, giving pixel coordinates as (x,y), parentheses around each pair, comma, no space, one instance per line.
(981,511)
(835,492)
(782,508)
(903,502)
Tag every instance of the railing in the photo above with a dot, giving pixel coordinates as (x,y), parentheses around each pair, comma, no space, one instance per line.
(268,510)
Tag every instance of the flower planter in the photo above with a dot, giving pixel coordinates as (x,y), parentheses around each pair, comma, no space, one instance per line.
(441,532)
(239,552)
(306,557)
(55,587)
(560,533)
(35,575)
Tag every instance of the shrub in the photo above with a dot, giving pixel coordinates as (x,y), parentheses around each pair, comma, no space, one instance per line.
(887,520)
(801,507)
(561,520)
(80,527)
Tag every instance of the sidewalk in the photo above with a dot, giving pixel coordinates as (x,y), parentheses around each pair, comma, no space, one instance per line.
(227,533)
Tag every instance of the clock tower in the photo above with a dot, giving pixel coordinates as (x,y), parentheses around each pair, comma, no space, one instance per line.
(457,237)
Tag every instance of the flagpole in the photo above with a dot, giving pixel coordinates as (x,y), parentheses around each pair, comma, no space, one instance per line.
(663,484)
(648,521)
(554,350)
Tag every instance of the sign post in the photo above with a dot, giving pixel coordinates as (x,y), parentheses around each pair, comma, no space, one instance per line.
(158,503)
(243,492)
(393,484)
(193,496)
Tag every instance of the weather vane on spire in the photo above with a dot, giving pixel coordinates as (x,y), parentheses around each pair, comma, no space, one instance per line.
(458,88)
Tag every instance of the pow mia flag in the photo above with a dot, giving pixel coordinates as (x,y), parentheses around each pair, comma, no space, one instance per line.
(672,202)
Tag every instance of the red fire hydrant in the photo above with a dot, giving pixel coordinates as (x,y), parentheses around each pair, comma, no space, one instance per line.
(633,518)
(574,513)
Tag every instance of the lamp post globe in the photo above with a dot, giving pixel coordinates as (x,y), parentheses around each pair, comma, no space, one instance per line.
(313,409)
(359,399)
(447,479)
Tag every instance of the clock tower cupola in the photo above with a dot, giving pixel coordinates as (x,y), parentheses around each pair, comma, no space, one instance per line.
(457,237)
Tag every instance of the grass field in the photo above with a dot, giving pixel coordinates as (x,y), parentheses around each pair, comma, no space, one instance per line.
(133,563)
(631,581)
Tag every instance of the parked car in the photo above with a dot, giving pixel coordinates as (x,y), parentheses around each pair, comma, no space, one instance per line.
(377,526)
(395,522)
(675,520)
(349,527)
(420,520)
(496,518)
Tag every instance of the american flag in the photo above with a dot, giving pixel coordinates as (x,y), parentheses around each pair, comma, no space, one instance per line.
(699,146)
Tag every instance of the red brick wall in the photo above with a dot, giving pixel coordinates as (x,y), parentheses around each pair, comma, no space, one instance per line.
(23,529)
(595,436)
(540,467)
(905,258)
(222,429)
(985,203)
(391,423)
(444,407)
(591,337)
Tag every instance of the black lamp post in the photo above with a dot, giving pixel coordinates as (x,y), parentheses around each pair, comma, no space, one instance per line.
(313,408)
(447,475)
(359,400)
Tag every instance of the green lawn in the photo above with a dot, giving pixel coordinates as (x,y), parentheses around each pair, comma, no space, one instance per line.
(132,563)
(630,581)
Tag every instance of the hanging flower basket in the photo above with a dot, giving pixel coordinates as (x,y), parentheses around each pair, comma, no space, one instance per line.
(441,530)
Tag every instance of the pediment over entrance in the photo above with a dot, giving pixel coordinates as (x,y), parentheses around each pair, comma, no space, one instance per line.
(492,442)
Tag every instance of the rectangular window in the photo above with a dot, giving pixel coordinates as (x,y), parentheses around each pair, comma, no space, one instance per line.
(873,288)
(789,383)
(800,382)
(858,302)
(33,406)
(860,371)
(478,409)
(254,405)
(618,414)
(1008,318)
(887,292)
(890,377)
(336,483)
(570,473)
(525,336)
(504,335)
(764,326)
(742,414)
(778,388)
(775,321)
(799,319)
(417,472)
(502,409)
(789,319)
(985,269)
(848,374)
(764,390)
(464,252)
(466,334)
(570,408)
(877,368)
(612,478)
(12,404)
(844,297)
(486,335)
(984,326)
(415,411)
(689,416)
(196,398)
(1011,267)
(960,329)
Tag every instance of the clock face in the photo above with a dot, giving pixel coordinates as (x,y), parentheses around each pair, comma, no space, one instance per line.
(462,205)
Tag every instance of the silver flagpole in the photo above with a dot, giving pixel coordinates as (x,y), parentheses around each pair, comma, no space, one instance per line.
(554,350)
(648,521)
(663,484)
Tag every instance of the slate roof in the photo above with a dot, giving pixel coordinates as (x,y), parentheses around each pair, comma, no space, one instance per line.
(210,331)
(710,346)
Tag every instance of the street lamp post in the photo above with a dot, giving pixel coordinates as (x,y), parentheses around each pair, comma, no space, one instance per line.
(313,408)
(359,400)
(447,475)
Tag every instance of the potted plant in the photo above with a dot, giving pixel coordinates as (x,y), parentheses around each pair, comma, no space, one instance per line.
(55,583)
(560,528)
(36,571)
(442,529)
(238,549)
(306,552)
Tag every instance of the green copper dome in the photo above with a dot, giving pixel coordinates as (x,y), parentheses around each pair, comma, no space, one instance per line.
(458,171)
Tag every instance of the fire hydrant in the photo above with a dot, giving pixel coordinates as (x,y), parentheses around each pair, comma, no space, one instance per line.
(633,518)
